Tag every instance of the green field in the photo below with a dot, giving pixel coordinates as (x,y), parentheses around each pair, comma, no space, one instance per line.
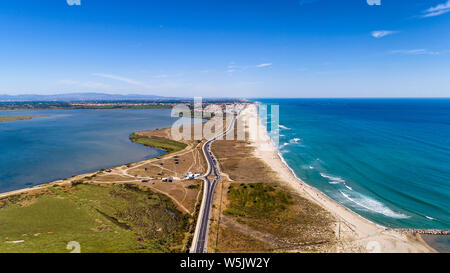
(101,218)
(268,217)
(256,200)
(13,118)
(158,142)
(118,107)
(43,105)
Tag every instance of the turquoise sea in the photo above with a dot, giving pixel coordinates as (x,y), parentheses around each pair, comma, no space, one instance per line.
(386,159)
(69,142)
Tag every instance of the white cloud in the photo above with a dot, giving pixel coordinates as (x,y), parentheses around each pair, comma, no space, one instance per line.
(122,79)
(415,52)
(264,65)
(437,10)
(382,33)
(73,2)
(232,67)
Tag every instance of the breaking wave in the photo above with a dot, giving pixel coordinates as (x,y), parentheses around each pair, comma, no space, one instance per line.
(333,179)
(284,145)
(292,141)
(373,205)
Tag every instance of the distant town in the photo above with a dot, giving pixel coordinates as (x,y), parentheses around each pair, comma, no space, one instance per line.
(100,102)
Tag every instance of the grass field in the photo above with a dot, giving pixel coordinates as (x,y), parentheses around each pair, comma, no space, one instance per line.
(256,200)
(13,118)
(170,146)
(267,217)
(102,218)
(118,107)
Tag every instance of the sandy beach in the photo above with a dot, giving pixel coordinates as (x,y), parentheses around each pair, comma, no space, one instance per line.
(356,233)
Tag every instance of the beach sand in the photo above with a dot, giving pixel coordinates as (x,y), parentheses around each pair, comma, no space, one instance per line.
(355,233)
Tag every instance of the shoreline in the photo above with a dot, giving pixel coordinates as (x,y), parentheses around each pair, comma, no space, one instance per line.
(49,184)
(68,180)
(317,190)
(19,118)
(361,234)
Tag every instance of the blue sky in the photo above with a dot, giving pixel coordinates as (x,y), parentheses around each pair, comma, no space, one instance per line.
(253,48)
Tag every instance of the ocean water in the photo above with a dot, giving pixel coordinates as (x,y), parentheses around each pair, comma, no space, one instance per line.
(441,243)
(386,159)
(69,142)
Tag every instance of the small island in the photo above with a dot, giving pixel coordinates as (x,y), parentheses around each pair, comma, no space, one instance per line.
(14,118)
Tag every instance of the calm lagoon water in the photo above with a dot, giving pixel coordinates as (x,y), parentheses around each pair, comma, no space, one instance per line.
(69,142)
(386,159)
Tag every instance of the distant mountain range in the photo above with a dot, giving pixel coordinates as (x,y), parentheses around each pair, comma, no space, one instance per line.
(80,97)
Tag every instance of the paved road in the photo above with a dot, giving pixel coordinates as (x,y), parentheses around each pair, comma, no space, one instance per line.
(210,186)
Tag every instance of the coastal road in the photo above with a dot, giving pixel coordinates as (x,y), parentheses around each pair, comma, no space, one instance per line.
(211,179)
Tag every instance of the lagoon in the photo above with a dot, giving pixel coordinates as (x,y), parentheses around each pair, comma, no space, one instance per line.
(69,142)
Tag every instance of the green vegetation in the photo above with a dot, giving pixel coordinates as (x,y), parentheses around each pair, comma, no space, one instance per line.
(35,105)
(267,217)
(102,218)
(13,118)
(256,200)
(104,105)
(158,142)
(118,107)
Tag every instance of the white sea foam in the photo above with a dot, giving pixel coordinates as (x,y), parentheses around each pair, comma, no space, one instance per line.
(284,127)
(429,218)
(284,145)
(373,205)
(292,141)
(333,179)
(362,200)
